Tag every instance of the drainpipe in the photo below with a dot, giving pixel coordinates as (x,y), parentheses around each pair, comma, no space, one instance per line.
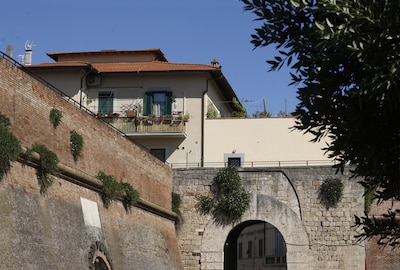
(81,89)
(203,119)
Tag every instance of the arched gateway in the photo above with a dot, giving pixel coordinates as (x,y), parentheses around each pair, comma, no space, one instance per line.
(263,209)
(287,199)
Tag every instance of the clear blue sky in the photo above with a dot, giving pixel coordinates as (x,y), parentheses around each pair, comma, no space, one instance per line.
(187,31)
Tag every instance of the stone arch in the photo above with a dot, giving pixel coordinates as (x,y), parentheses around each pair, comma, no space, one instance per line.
(263,208)
(99,257)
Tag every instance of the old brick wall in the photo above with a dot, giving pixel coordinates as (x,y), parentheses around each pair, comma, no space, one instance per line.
(27,103)
(382,256)
(317,238)
(51,231)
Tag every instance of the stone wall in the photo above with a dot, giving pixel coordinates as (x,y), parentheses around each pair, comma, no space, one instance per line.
(68,227)
(287,198)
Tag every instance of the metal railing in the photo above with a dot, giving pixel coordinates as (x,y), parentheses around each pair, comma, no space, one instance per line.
(256,164)
(163,124)
(52,87)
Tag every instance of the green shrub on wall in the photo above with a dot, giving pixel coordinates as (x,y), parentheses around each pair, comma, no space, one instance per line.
(331,192)
(47,165)
(131,196)
(10,147)
(55,117)
(228,197)
(113,190)
(76,144)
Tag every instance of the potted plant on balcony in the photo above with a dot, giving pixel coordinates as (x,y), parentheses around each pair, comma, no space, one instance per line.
(130,113)
(186,117)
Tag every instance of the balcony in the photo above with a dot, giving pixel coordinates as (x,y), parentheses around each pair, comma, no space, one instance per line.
(147,126)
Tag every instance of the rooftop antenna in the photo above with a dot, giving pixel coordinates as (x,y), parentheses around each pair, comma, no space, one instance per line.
(28,52)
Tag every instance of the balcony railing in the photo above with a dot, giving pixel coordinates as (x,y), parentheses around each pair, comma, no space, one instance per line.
(134,126)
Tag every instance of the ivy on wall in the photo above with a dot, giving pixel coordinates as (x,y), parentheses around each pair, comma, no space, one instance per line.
(47,165)
(55,117)
(330,192)
(113,190)
(228,198)
(10,147)
(76,144)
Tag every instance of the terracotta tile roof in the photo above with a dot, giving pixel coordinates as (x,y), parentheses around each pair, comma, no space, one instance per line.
(129,67)
(77,64)
(150,66)
(155,51)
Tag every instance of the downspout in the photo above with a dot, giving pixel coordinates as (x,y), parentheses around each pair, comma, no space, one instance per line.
(81,89)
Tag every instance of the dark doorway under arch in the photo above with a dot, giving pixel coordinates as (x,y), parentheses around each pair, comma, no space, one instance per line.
(254,243)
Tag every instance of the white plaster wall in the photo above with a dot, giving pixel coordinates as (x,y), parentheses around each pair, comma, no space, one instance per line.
(263,141)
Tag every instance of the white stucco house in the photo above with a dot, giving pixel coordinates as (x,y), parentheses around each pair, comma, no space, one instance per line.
(164,106)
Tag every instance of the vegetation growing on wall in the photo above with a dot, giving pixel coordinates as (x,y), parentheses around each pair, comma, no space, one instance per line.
(76,144)
(113,190)
(176,203)
(55,117)
(228,197)
(10,147)
(131,196)
(47,165)
(330,192)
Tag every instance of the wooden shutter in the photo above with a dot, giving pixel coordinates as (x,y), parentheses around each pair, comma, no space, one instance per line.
(168,103)
(148,103)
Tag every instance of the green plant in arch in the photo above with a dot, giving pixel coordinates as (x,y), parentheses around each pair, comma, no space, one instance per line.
(330,192)
(228,197)
(76,144)
(55,117)
(47,165)
(10,147)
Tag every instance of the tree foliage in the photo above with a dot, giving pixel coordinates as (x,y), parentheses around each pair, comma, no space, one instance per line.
(345,60)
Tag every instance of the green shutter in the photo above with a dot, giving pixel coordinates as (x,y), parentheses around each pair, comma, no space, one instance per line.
(168,103)
(148,104)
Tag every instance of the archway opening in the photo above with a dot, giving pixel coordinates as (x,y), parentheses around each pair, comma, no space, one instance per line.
(255,244)
(100,264)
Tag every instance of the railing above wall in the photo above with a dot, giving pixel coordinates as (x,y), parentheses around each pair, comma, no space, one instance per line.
(52,87)
(257,164)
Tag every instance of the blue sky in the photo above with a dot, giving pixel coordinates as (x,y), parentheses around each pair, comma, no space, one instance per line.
(187,31)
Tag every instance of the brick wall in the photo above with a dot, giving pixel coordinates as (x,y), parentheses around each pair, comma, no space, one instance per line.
(51,231)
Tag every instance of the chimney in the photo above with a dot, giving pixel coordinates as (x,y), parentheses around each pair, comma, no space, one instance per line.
(9,51)
(28,52)
(215,63)
(28,57)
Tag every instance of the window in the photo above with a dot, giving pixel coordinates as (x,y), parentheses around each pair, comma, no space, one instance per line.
(249,249)
(159,153)
(234,161)
(240,251)
(158,103)
(106,102)
(260,248)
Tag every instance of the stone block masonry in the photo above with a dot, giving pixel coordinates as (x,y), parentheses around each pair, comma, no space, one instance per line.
(287,198)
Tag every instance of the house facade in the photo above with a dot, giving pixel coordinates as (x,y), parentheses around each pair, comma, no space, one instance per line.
(180,112)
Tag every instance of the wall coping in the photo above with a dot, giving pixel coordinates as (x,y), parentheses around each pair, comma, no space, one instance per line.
(87,181)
